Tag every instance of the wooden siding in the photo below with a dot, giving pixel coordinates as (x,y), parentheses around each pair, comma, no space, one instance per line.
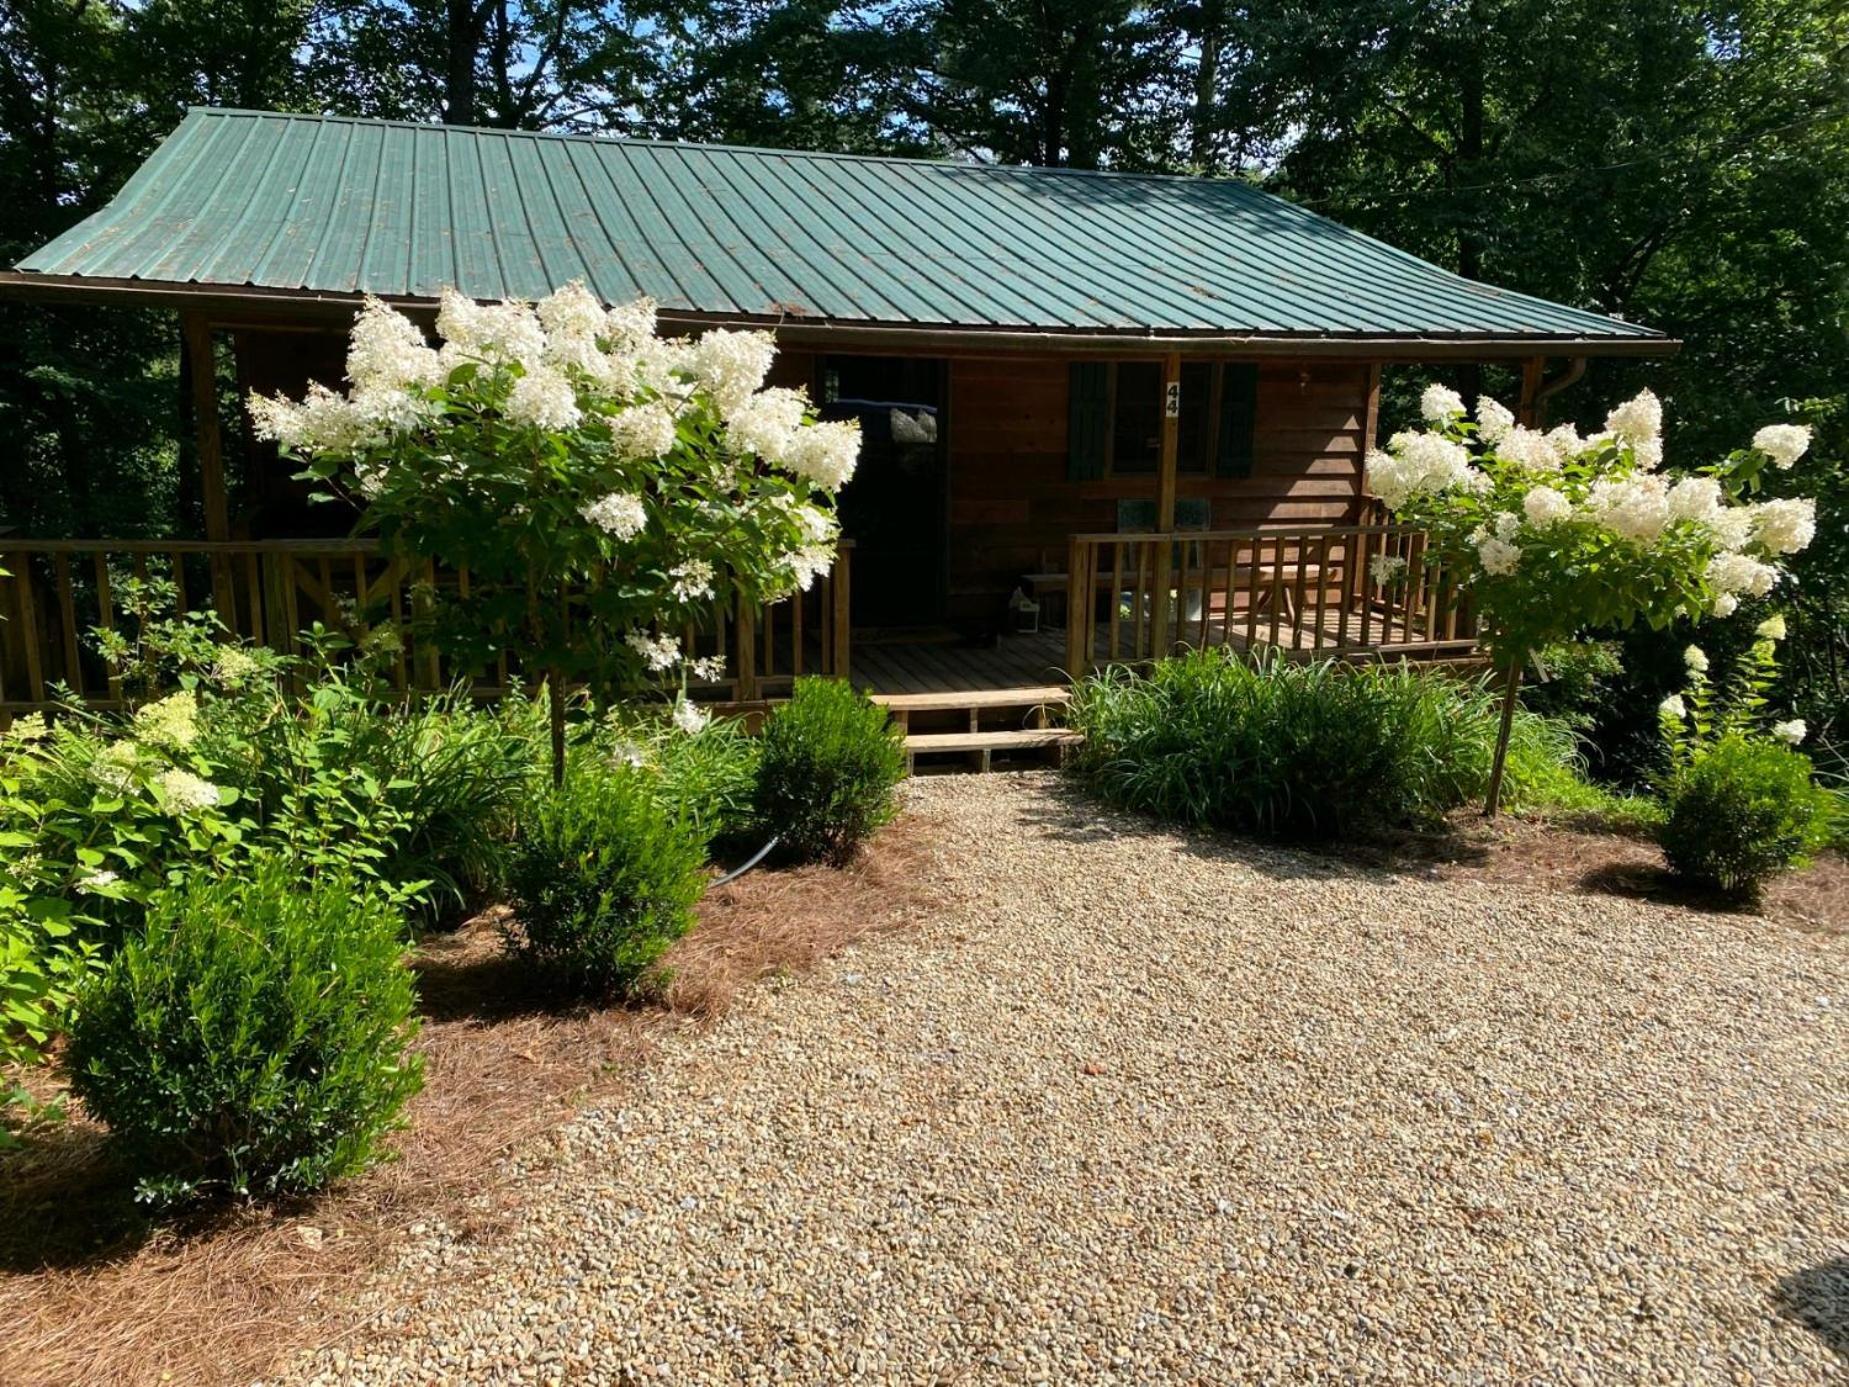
(1012,507)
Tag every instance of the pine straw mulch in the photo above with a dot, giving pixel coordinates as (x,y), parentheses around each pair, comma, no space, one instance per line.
(1560,856)
(91,1293)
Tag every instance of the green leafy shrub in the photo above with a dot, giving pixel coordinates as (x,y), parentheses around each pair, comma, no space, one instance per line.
(707,776)
(602,879)
(251,1040)
(1300,750)
(829,763)
(1740,811)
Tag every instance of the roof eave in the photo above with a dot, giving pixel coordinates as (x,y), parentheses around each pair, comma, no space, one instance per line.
(259,307)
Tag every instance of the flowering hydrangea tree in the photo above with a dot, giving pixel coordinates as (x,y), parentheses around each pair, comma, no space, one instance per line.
(1554,532)
(602,485)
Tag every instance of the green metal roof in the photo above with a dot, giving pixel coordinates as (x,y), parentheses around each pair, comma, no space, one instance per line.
(337,206)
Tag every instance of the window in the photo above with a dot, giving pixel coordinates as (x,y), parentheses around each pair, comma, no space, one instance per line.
(1117,417)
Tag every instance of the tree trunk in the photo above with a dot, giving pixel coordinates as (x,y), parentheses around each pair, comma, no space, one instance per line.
(1203,122)
(1512,682)
(463,41)
(555,703)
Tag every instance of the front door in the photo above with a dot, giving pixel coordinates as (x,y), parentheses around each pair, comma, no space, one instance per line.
(895,508)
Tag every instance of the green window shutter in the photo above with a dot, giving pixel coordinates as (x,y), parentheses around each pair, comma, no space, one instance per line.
(1088,420)
(1238,419)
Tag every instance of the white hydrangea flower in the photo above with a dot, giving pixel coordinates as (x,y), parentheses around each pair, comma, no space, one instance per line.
(171,722)
(508,332)
(1791,732)
(1545,506)
(732,365)
(387,351)
(1529,448)
(690,717)
(1694,498)
(1673,707)
(1566,443)
(1783,443)
(544,399)
(1725,605)
(1385,569)
(1696,659)
(662,363)
(98,879)
(1647,453)
(824,454)
(657,652)
(693,580)
(1414,464)
(1497,555)
(1736,573)
(570,313)
(817,525)
(1786,525)
(115,765)
(1731,526)
(1638,418)
(809,562)
(1441,404)
(1494,420)
(629,325)
(644,431)
(619,514)
(767,423)
(1772,628)
(182,792)
(277,420)
(711,669)
(1635,508)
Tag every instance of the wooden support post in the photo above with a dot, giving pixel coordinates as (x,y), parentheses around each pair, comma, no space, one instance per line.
(839,629)
(196,331)
(1159,636)
(746,635)
(1528,412)
(1078,611)
(1370,431)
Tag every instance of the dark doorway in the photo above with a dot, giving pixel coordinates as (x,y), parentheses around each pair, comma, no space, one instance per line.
(895,508)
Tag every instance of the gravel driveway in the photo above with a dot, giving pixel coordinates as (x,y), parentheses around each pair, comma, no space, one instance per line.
(1146,1108)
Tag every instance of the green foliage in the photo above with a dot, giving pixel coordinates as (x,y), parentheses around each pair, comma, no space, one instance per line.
(602,880)
(831,759)
(252,1039)
(1300,750)
(707,776)
(1740,811)
(1575,676)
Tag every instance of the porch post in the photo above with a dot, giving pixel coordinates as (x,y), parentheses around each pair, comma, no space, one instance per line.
(1165,504)
(1528,411)
(197,334)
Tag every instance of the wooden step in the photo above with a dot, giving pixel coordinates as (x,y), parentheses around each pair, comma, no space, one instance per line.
(1026,697)
(981,746)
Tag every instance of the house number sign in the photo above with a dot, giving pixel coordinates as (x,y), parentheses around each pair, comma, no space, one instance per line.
(1171,405)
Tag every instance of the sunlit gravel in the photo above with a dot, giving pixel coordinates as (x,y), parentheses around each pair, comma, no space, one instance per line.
(1139,1107)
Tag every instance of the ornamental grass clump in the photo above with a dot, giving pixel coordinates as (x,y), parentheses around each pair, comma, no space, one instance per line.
(603,487)
(252,1039)
(1554,533)
(827,772)
(704,770)
(1307,751)
(602,880)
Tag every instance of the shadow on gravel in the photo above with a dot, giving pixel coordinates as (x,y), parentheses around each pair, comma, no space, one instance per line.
(1645,881)
(1818,1298)
(1066,813)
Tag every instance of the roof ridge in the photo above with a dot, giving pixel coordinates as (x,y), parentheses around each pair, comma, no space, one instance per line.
(1231,183)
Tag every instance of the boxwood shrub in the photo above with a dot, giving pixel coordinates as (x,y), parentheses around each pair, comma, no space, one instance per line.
(251,1040)
(603,879)
(829,764)
(1742,811)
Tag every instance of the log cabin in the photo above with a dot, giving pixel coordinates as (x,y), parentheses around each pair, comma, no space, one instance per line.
(1106,415)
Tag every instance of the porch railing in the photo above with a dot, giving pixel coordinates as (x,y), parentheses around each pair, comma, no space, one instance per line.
(1307,591)
(269,591)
